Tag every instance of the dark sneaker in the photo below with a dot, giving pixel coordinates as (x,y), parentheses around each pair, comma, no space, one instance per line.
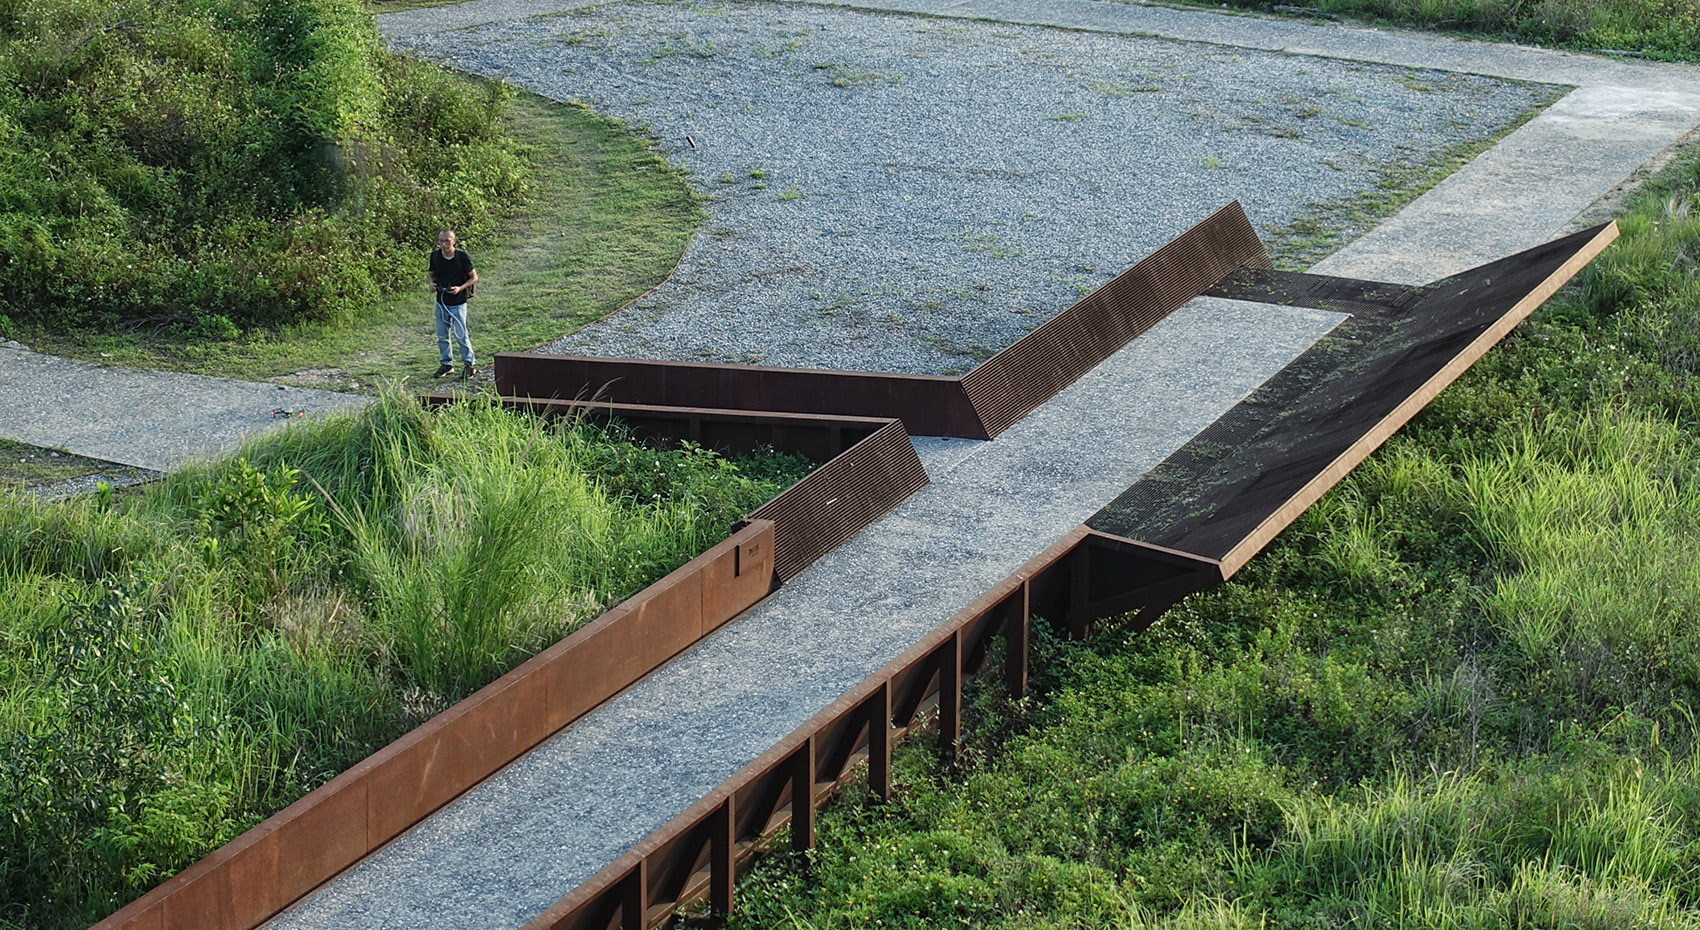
(445,369)
(469,372)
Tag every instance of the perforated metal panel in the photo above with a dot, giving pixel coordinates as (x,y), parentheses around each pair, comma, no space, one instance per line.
(816,515)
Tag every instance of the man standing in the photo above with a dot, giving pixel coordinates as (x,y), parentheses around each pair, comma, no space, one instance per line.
(452,276)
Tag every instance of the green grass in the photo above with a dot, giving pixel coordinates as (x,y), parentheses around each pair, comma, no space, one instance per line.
(1660,29)
(606,219)
(1324,227)
(27,466)
(177,664)
(1459,692)
(237,166)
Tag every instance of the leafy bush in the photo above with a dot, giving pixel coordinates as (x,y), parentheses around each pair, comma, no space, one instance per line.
(209,165)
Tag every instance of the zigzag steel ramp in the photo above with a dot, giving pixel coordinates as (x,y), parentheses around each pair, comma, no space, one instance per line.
(510,848)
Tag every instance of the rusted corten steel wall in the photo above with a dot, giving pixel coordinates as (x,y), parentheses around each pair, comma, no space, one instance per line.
(1189,524)
(835,501)
(250,879)
(255,876)
(929,405)
(816,437)
(1094,573)
(978,405)
(1227,493)
(698,855)
(1010,384)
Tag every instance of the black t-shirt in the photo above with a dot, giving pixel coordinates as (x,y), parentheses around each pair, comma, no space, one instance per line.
(451,272)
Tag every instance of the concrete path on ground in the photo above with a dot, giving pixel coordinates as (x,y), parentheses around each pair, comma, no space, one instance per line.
(156,420)
(522,839)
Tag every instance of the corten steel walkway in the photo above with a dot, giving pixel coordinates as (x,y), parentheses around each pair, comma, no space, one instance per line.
(1159,471)
(1162,431)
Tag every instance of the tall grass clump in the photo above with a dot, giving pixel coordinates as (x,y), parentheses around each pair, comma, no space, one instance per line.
(1596,528)
(1459,692)
(176,666)
(201,167)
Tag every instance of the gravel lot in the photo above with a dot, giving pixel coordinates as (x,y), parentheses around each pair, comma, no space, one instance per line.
(904,193)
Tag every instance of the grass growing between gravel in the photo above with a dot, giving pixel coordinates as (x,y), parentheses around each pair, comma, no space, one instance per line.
(603,219)
(23,465)
(1459,692)
(178,664)
(1324,227)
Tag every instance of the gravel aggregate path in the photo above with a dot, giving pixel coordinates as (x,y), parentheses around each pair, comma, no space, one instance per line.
(502,853)
(901,193)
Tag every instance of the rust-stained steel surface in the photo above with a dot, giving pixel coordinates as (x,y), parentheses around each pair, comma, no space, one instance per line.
(816,437)
(1007,386)
(698,854)
(265,869)
(835,501)
(978,405)
(929,405)
(1227,493)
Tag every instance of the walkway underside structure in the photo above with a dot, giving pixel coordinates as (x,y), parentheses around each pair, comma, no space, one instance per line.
(1188,523)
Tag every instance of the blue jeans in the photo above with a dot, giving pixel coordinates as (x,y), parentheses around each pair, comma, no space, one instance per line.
(453,320)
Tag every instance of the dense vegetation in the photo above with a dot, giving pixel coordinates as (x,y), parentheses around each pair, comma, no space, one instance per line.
(1663,29)
(177,665)
(205,166)
(1459,692)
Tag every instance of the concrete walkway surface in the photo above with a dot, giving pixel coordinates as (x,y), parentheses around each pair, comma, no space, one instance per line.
(156,420)
(524,838)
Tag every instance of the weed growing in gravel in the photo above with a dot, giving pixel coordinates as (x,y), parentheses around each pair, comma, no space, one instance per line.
(680,46)
(842,75)
(1324,227)
(1117,90)
(988,243)
(24,465)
